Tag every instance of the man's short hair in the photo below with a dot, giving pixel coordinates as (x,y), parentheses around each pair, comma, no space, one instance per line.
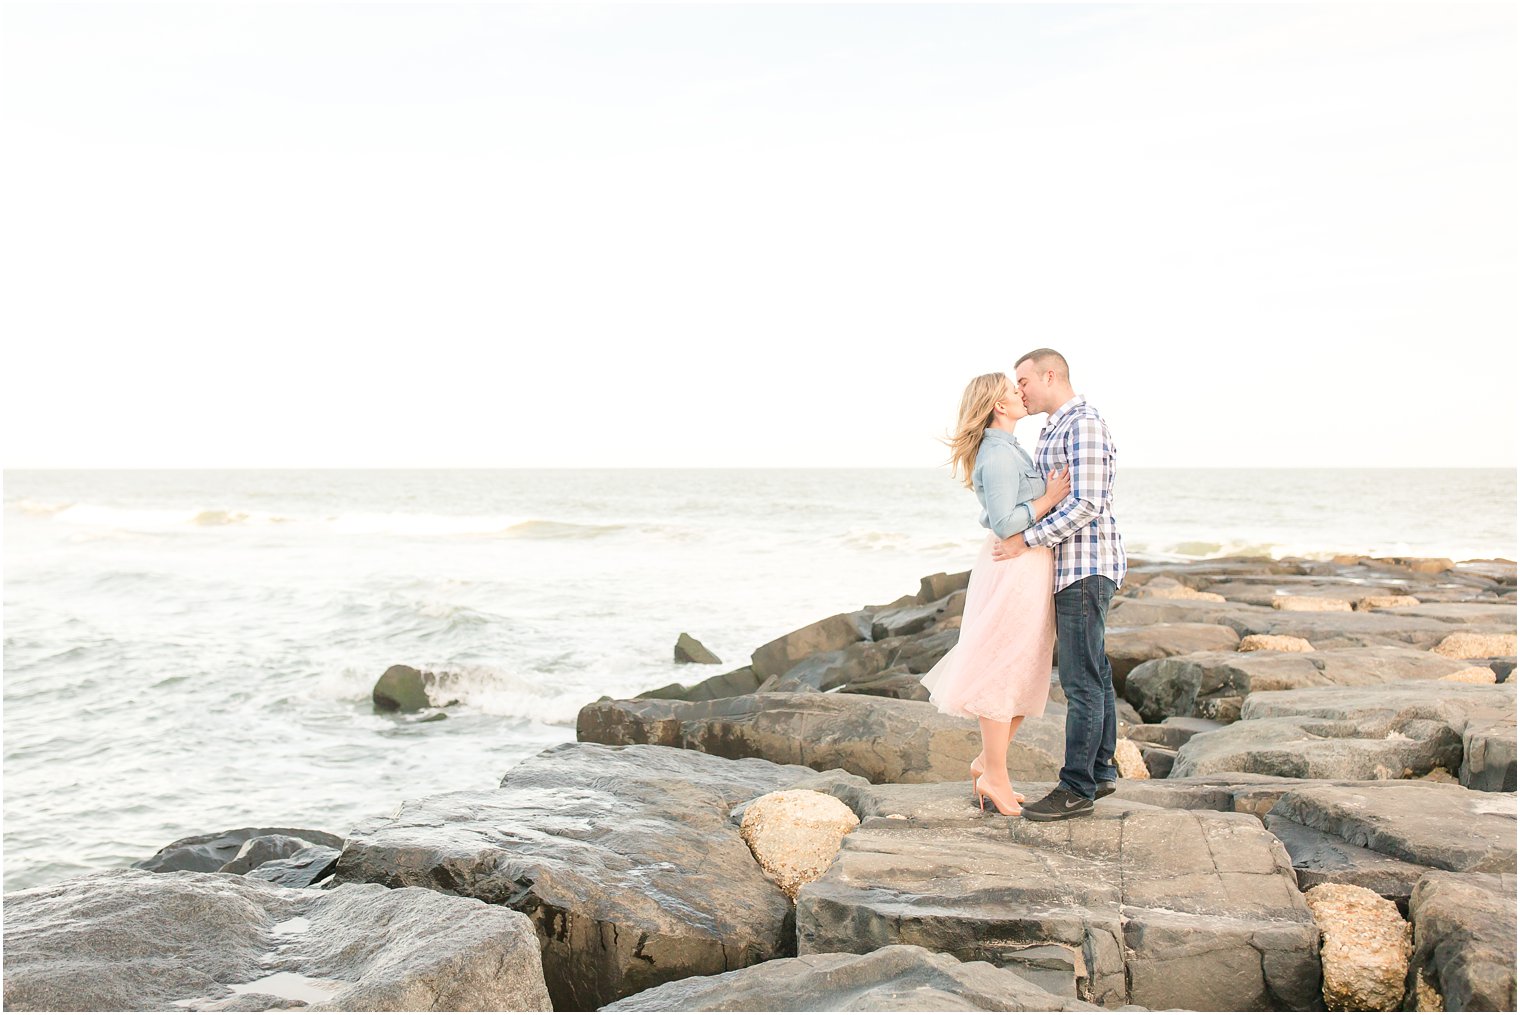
(1041,359)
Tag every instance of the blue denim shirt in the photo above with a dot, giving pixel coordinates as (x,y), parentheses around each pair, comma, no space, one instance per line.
(1006,481)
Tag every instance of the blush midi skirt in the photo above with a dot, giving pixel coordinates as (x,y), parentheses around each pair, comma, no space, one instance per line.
(1000,667)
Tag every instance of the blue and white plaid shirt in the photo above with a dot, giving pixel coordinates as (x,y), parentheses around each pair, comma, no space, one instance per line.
(1081,529)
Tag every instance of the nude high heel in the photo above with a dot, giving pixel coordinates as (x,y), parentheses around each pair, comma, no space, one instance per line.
(981,801)
(976,773)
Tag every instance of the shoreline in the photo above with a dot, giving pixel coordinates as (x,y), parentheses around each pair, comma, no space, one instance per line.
(1205,717)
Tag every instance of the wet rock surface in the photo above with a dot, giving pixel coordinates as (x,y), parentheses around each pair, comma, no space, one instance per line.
(1371,761)
(624,859)
(131,940)
(307,868)
(216,850)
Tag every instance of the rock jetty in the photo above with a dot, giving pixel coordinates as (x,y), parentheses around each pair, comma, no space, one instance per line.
(1318,811)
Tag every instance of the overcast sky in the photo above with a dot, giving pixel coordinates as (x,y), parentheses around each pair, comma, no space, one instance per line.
(477,235)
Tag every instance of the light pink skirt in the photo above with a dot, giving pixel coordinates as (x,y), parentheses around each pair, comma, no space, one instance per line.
(1000,667)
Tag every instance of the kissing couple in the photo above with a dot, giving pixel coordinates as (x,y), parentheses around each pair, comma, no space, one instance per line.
(1047,570)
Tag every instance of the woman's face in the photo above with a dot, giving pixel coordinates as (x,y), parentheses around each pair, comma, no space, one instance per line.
(1011,406)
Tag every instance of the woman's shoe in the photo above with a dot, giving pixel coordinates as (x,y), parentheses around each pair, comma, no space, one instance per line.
(976,773)
(982,796)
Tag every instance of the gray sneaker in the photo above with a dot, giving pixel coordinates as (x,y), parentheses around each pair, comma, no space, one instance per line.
(1057,805)
(1104,789)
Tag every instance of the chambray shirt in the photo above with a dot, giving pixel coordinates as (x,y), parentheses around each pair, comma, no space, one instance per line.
(1081,529)
(1005,480)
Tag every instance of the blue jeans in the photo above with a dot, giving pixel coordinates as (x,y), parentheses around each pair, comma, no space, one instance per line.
(1092,721)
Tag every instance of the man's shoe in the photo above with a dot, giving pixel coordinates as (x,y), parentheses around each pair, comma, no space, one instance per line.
(1059,804)
(1104,789)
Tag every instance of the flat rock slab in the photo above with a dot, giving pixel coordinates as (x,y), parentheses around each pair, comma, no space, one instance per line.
(1261,590)
(1309,748)
(1396,731)
(130,940)
(1443,826)
(624,858)
(880,739)
(894,978)
(1464,939)
(1133,904)
(1242,792)
(1500,616)
(1323,630)
(1213,685)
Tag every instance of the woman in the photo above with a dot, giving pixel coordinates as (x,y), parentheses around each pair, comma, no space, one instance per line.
(999,670)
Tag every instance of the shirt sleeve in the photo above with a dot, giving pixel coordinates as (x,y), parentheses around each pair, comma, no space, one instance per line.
(1087,455)
(1000,486)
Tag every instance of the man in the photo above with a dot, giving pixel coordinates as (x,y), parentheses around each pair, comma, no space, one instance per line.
(1090,567)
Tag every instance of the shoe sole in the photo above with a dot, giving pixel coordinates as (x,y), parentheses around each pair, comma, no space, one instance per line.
(1039,816)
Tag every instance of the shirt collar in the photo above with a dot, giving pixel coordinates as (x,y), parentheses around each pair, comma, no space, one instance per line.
(992,433)
(1055,418)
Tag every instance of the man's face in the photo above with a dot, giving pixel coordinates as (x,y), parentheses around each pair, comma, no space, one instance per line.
(1033,385)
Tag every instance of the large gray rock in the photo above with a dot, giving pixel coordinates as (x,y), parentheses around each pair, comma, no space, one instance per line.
(894,978)
(403,688)
(1200,574)
(1500,616)
(1396,731)
(909,620)
(1260,590)
(1488,754)
(624,858)
(854,664)
(1213,685)
(1323,630)
(1464,940)
(938,586)
(1133,904)
(690,650)
(1495,569)
(261,849)
(881,739)
(305,869)
(1129,647)
(1173,732)
(1430,824)
(130,940)
(1305,748)
(721,685)
(214,851)
(897,682)
(828,635)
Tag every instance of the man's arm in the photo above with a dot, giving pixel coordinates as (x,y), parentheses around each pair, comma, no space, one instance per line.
(1087,454)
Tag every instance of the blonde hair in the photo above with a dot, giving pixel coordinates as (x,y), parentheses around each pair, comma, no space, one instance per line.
(976,415)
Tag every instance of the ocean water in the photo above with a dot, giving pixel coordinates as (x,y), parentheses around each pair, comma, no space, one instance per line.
(189,651)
